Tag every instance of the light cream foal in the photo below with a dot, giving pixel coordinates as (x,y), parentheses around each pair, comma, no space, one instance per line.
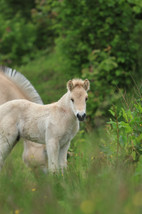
(54,124)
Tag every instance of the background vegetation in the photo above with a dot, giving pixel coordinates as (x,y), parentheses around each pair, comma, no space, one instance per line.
(51,41)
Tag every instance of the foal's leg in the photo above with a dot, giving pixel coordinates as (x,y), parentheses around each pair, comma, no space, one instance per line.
(1,159)
(5,148)
(8,138)
(63,156)
(52,147)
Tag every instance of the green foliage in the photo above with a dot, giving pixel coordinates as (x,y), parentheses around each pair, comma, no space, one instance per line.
(24,31)
(126,130)
(104,81)
(10,7)
(16,40)
(17,32)
(44,17)
(86,25)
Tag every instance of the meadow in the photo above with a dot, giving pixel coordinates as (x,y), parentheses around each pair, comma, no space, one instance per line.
(93,183)
(99,179)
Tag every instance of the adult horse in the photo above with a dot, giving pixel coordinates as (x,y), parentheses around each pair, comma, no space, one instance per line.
(13,85)
(54,124)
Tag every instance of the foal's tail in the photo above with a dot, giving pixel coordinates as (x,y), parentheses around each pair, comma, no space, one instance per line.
(23,83)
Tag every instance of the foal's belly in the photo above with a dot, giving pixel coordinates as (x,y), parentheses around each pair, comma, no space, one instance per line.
(35,139)
(34,135)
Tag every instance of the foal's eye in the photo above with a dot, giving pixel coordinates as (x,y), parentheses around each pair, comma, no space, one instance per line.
(86,98)
(72,100)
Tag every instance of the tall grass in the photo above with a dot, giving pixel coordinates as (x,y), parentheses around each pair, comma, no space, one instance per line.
(93,183)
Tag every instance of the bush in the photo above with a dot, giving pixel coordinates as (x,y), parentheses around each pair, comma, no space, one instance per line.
(104,83)
(85,26)
(126,130)
(44,17)
(17,41)
(9,8)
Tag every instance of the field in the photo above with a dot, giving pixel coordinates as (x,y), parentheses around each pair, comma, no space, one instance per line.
(93,183)
(99,180)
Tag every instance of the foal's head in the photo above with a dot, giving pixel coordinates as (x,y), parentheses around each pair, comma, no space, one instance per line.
(78,96)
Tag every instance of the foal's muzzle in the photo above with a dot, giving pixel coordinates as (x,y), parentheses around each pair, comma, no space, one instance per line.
(81,117)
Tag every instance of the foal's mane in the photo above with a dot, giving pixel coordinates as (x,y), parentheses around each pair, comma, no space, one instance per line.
(77,83)
(23,83)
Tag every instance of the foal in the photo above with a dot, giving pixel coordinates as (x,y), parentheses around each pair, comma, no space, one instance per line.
(54,124)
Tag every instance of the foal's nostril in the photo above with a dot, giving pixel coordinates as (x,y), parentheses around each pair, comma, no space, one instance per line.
(81,117)
(84,115)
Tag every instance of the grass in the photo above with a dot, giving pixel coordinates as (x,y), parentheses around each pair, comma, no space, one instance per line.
(91,184)
(95,181)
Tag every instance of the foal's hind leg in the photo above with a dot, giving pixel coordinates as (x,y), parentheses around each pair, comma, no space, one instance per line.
(35,155)
(4,151)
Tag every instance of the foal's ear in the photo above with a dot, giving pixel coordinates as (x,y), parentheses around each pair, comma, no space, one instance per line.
(70,85)
(86,85)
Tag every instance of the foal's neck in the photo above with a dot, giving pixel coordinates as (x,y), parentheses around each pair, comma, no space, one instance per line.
(64,102)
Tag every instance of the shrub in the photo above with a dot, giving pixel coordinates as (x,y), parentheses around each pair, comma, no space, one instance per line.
(126,130)
(44,17)
(104,83)
(85,26)
(17,40)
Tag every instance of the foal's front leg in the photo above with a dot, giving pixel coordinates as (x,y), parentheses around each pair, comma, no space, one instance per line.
(1,160)
(63,156)
(6,146)
(52,147)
